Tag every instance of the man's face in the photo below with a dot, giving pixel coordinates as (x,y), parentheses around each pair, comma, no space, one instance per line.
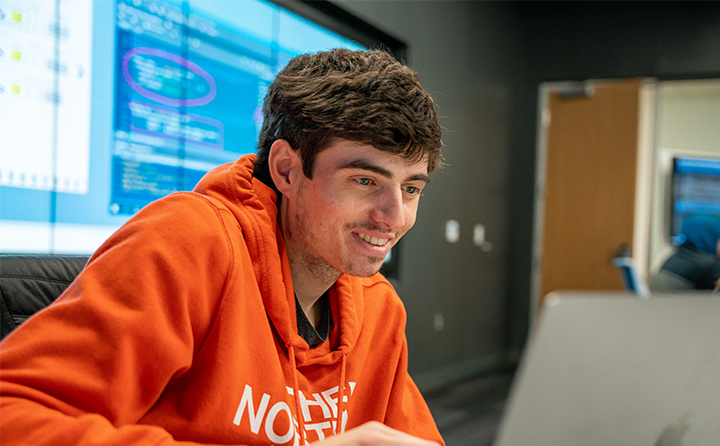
(356,207)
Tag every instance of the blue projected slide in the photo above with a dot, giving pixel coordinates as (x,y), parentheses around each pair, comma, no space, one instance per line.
(150,96)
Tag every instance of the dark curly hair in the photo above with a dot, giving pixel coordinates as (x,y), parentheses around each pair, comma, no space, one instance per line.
(361,96)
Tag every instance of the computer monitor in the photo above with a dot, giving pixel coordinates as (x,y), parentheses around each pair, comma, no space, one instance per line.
(106,106)
(696,189)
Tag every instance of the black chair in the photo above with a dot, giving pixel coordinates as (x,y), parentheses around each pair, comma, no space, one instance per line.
(29,283)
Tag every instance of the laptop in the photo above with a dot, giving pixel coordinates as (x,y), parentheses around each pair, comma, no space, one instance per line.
(613,369)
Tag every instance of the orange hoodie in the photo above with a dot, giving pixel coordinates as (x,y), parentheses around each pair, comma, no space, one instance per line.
(182,330)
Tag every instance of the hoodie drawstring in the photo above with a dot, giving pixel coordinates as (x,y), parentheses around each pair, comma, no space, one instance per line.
(296,392)
(341,396)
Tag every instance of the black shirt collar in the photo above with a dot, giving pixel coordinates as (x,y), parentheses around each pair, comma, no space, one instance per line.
(312,335)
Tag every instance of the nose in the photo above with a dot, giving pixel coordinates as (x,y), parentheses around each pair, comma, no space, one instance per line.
(389,210)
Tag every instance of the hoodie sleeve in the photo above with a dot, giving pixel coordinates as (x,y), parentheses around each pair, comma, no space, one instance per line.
(87,368)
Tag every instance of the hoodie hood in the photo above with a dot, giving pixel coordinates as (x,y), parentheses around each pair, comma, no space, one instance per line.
(254,206)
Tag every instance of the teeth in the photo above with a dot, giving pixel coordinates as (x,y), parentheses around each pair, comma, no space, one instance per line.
(373,240)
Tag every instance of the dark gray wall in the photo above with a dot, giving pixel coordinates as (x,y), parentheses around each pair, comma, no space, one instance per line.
(581,40)
(483,62)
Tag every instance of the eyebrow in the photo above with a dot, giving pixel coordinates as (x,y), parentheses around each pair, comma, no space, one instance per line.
(366,165)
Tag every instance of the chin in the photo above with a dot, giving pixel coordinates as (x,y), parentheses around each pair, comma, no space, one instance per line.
(367,271)
(368,274)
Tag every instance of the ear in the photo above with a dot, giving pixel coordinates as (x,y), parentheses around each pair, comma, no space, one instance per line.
(285,165)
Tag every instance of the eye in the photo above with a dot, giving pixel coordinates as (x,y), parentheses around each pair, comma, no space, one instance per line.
(413,190)
(364,181)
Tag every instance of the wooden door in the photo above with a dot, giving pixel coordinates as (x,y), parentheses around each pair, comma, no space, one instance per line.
(590,180)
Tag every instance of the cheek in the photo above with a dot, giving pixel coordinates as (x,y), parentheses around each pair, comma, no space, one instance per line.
(410,216)
(330,213)
(316,202)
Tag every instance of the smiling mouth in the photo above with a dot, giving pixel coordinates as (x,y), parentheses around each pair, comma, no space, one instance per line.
(373,240)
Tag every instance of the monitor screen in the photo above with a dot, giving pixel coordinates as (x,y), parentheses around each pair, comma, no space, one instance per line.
(696,189)
(108,105)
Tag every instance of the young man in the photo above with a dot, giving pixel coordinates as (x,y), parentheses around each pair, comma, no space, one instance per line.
(249,311)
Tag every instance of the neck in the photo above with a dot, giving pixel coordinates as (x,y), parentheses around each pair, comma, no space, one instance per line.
(311,276)
(309,292)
